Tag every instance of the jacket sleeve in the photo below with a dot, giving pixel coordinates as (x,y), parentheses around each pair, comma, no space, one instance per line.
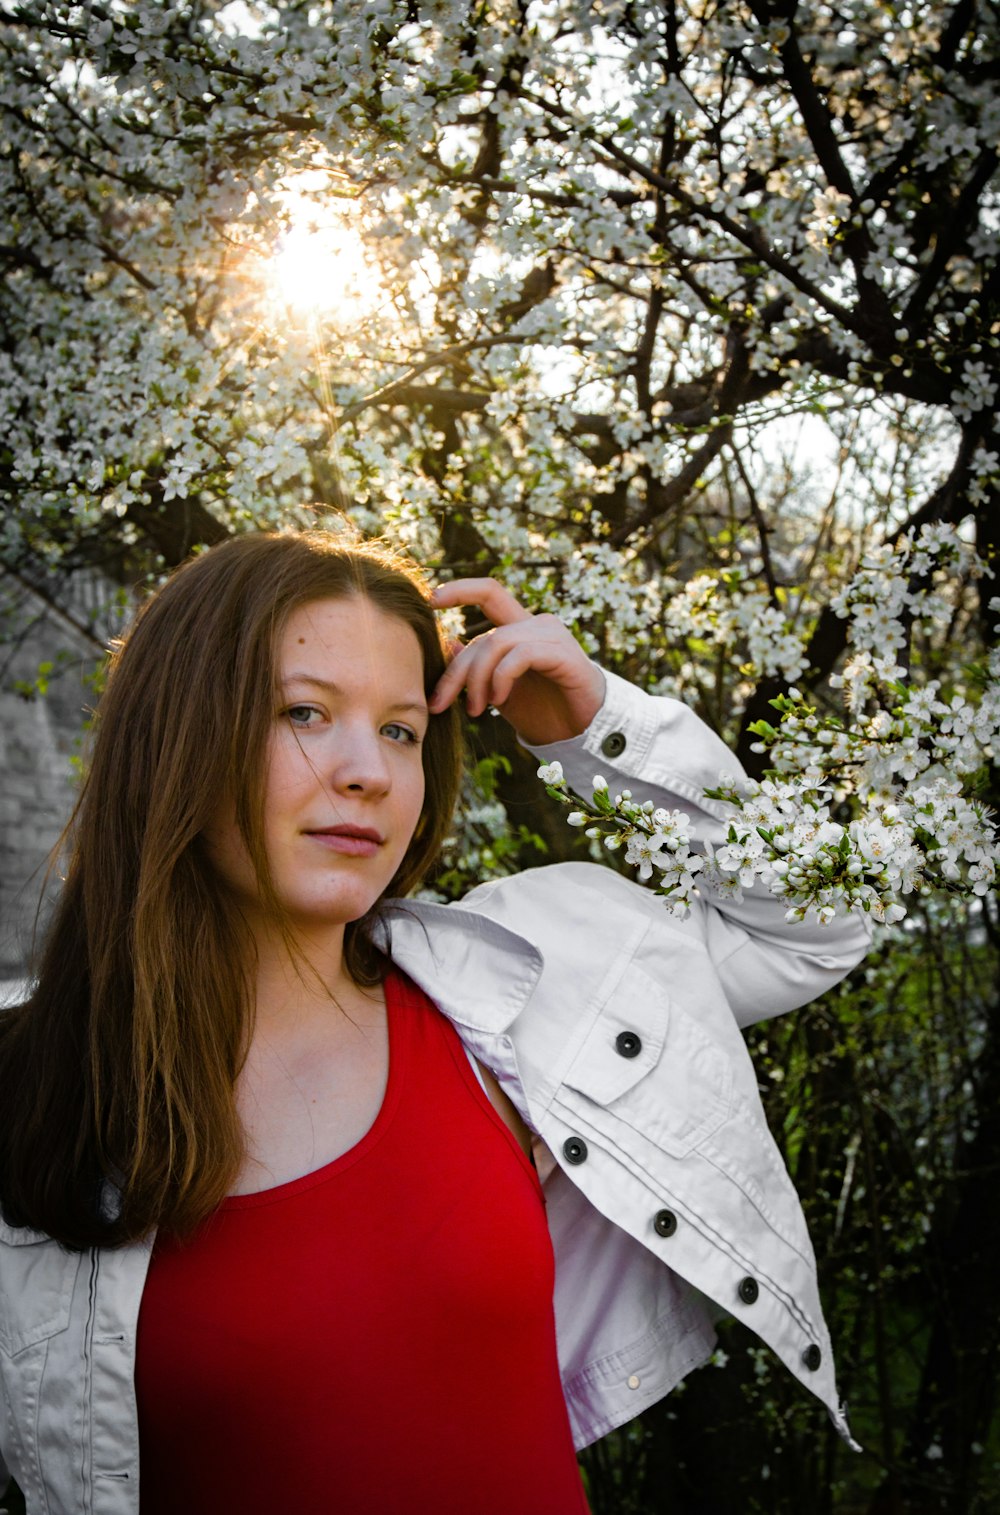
(662,751)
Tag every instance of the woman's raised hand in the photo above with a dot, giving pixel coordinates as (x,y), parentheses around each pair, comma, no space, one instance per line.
(530,667)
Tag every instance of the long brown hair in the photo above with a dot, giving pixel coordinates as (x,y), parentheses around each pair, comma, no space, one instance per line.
(117,1077)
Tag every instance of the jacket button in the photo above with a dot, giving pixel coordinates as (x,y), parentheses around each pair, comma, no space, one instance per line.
(575,1149)
(664,1222)
(812,1357)
(613,744)
(748,1290)
(628,1044)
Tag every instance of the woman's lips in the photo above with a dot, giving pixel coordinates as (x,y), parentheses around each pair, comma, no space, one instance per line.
(349,841)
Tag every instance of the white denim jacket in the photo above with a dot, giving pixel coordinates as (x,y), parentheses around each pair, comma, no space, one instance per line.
(614,1028)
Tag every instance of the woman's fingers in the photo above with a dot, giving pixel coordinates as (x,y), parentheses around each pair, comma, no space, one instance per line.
(471,666)
(472,669)
(492,598)
(506,672)
(495,671)
(529,666)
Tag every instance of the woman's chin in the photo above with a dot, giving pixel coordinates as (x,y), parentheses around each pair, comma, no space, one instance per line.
(331,912)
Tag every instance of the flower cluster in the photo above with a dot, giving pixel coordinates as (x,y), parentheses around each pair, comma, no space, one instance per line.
(895,731)
(897,580)
(657,842)
(725,609)
(859,812)
(785,835)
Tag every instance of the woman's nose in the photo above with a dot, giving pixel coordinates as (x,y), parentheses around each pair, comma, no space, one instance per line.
(360,764)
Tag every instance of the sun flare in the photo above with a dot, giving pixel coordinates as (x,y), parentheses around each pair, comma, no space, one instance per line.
(319,264)
(321,269)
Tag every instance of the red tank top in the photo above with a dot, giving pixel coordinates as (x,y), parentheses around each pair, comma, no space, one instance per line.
(373,1338)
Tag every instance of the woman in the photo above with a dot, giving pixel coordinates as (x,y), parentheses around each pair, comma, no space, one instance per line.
(270,1229)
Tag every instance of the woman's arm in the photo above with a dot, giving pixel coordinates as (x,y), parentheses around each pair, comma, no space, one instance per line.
(565,708)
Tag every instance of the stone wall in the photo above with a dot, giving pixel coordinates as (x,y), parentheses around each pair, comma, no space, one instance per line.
(39,737)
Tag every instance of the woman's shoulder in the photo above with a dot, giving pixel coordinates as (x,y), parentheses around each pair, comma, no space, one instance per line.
(567,919)
(556,889)
(584,909)
(483,958)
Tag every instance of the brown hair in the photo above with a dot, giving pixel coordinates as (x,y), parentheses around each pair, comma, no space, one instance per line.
(119,1073)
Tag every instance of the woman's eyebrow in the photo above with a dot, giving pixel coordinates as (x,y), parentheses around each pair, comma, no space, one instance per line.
(419,706)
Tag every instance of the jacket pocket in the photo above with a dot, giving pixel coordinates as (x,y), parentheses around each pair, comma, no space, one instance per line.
(676,1087)
(36,1288)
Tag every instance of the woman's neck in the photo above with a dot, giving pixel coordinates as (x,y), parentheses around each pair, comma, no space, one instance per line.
(297,980)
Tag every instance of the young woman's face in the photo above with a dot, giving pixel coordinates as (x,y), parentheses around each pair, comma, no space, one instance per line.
(345,780)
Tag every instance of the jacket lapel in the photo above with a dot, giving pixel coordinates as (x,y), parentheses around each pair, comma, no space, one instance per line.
(481,974)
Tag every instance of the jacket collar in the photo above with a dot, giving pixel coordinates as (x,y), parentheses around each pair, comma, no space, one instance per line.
(481,974)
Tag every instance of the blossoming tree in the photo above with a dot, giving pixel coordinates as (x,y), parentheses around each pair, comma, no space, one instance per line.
(683,318)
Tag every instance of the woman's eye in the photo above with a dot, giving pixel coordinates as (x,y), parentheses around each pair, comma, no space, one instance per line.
(397,733)
(302,715)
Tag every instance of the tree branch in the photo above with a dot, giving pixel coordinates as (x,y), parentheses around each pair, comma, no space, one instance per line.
(670,495)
